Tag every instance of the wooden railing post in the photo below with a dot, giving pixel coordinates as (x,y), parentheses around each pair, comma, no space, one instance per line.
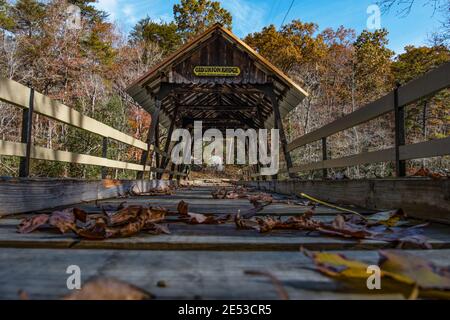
(150,138)
(105,155)
(27,128)
(324,156)
(400,165)
(278,124)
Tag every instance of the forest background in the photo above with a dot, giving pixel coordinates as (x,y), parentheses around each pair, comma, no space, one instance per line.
(88,68)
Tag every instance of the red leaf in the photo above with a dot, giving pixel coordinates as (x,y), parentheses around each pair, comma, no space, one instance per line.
(28,225)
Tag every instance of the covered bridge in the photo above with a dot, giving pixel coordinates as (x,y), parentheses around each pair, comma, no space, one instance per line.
(218,79)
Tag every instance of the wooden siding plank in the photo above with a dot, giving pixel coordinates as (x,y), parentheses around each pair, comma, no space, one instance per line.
(26,195)
(421,198)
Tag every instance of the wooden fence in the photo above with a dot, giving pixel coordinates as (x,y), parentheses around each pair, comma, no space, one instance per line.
(34,102)
(395,101)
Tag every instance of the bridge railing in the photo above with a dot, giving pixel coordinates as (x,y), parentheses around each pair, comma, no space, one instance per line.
(32,101)
(395,101)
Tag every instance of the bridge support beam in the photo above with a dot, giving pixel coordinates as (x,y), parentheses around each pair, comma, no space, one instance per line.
(164,90)
(324,156)
(105,155)
(278,124)
(400,165)
(27,128)
(167,147)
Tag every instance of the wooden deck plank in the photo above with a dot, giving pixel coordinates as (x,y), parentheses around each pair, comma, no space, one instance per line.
(201,201)
(188,275)
(207,237)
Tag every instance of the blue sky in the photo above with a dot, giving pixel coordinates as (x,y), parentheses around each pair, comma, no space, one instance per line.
(252,15)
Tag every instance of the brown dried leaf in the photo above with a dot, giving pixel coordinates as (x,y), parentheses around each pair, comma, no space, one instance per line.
(340,227)
(198,218)
(109,289)
(244,224)
(262,197)
(80,214)
(183,208)
(28,225)
(63,220)
(219,193)
(303,222)
(94,229)
(124,215)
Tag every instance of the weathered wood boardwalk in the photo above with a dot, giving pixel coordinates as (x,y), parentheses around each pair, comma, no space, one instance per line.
(195,261)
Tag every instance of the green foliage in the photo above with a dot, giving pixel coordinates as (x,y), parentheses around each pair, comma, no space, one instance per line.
(373,64)
(28,15)
(435,111)
(418,60)
(6,22)
(88,11)
(194,16)
(100,44)
(166,35)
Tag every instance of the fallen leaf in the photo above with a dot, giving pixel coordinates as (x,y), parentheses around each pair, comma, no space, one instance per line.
(219,193)
(124,215)
(94,229)
(28,225)
(80,214)
(340,227)
(388,218)
(266,224)
(337,265)
(426,279)
(183,208)
(109,289)
(63,220)
(411,236)
(413,269)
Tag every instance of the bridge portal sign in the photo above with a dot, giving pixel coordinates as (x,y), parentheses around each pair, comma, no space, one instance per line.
(216,71)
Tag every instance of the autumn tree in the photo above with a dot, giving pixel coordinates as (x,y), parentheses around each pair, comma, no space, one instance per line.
(165,35)
(372,65)
(88,11)
(194,16)
(290,47)
(427,118)
(6,22)
(28,15)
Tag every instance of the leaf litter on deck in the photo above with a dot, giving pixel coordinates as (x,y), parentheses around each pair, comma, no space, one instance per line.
(126,221)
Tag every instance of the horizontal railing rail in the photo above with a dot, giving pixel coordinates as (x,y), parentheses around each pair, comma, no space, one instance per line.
(395,101)
(14,93)
(417,89)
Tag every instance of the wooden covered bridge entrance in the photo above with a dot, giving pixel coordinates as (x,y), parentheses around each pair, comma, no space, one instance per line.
(220,245)
(219,80)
